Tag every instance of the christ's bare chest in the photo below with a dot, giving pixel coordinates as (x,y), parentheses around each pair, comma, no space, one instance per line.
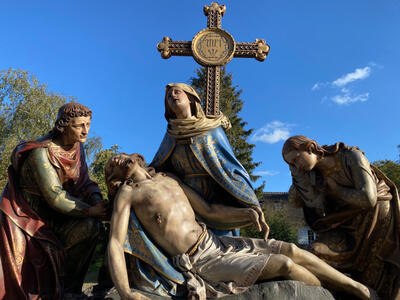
(156,198)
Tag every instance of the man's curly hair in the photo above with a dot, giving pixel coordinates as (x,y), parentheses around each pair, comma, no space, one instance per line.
(66,113)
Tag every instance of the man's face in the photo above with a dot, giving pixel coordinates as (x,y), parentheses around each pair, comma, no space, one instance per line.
(77,130)
(177,99)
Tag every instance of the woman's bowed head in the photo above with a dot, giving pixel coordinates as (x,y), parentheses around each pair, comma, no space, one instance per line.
(304,154)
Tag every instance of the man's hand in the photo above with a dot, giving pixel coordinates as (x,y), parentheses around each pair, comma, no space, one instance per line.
(98,210)
(258,219)
(95,198)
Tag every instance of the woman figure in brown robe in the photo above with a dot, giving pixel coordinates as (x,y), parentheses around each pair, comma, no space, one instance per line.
(352,206)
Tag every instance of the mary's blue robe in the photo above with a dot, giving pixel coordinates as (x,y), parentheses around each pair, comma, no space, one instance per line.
(207,164)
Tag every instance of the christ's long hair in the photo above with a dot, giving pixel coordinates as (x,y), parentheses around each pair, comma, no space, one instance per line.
(122,161)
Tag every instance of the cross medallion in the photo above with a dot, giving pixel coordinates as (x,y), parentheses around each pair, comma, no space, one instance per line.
(213,48)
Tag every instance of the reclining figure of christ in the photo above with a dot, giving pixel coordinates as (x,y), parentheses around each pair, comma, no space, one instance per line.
(212,266)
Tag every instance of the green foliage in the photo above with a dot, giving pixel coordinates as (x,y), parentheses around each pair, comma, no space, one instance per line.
(96,169)
(99,159)
(93,146)
(27,111)
(280,228)
(391,170)
(231,105)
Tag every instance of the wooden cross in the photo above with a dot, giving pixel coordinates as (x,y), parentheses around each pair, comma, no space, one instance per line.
(213,47)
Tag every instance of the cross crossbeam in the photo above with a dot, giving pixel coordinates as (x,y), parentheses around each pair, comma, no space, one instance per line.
(213,48)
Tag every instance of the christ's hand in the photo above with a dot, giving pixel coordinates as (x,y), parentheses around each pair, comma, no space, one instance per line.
(258,219)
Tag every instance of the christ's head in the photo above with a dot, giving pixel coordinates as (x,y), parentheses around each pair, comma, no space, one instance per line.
(122,167)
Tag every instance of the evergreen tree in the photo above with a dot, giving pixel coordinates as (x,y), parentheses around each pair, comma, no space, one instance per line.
(231,105)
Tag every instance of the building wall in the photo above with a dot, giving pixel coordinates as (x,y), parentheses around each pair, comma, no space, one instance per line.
(272,202)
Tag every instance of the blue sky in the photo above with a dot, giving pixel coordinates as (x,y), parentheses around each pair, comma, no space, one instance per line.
(333,72)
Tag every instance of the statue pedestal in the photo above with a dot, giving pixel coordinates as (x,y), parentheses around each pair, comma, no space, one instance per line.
(274,290)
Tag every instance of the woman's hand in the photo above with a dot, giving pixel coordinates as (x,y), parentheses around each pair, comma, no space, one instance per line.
(332,185)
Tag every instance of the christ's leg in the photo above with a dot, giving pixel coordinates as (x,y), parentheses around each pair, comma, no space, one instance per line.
(324,272)
(282,266)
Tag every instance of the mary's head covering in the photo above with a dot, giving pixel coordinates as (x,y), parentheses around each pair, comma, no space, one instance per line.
(182,128)
(195,102)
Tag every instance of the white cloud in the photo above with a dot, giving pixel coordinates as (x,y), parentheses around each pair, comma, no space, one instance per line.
(358,74)
(319,85)
(266,173)
(316,86)
(271,133)
(347,98)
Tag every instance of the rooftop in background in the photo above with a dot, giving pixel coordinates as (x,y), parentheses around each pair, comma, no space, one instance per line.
(275,196)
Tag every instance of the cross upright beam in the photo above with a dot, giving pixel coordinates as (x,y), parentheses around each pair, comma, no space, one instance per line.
(213,47)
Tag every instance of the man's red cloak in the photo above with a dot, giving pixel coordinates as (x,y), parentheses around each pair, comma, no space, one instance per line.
(31,257)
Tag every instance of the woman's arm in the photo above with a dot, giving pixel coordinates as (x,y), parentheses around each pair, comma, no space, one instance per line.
(363,194)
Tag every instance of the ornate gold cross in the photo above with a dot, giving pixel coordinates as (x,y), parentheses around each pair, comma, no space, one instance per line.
(213,47)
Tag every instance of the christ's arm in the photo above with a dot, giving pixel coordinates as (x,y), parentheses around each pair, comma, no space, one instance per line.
(118,232)
(222,213)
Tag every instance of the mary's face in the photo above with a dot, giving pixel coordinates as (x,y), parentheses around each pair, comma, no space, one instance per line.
(177,100)
(303,160)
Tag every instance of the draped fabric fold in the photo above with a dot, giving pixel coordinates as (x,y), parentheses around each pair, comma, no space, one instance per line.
(154,270)
(31,255)
(213,151)
(31,258)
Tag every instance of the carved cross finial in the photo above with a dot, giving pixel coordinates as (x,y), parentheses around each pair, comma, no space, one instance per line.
(213,47)
(214,14)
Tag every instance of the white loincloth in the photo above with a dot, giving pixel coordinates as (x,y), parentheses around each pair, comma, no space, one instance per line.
(225,265)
